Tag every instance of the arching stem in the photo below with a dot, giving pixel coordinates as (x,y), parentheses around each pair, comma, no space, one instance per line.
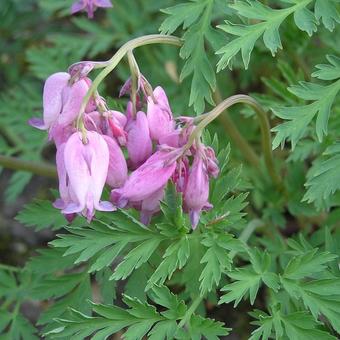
(266,142)
(113,62)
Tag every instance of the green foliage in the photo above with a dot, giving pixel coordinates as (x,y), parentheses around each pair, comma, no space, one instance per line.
(49,217)
(139,319)
(268,27)
(323,178)
(248,280)
(299,117)
(195,17)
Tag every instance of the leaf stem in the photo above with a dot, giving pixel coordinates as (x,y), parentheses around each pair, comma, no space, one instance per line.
(41,169)
(9,267)
(190,311)
(207,118)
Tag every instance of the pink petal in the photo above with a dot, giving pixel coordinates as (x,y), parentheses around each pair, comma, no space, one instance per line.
(159,115)
(139,143)
(103,3)
(78,6)
(52,96)
(78,172)
(96,153)
(117,171)
(38,123)
(73,97)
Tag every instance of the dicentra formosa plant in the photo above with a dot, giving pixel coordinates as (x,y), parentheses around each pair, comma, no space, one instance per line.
(89,137)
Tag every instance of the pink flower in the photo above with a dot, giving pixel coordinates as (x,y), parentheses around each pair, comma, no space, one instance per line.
(139,143)
(65,191)
(61,102)
(196,192)
(89,6)
(72,99)
(159,115)
(117,171)
(52,100)
(149,178)
(86,168)
(150,205)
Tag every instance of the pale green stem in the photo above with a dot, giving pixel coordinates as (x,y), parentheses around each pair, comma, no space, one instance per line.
(118,56)
(190,311)
(41,169)
(9,267)
(135,74)
(207,118)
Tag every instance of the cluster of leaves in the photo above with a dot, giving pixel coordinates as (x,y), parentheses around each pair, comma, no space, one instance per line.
(116,247)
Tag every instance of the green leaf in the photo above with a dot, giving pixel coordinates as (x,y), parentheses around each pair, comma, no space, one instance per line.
(299,117)
(135,258)
(48,216)
(195,17)
(308,264)
(210,329)
(298,325)
(323,178)
(248,280)
(175,257)
(111,239)
(327,11)
(216,259)
(247,35)
(324,302)
(163,297)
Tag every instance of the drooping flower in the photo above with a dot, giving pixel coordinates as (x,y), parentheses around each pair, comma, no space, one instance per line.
(148,178)
(65,191)
(139,143)
(52,100)
(86,168)
(72,99)
(89,6)
(196,192)
(150,205)
(61,104)
(159,115)
(117,171)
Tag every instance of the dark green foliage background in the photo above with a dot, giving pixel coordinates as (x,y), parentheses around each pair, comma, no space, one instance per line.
(263,264)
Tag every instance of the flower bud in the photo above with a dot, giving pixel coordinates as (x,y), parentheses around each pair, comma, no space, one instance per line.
(117,171)
(159,115)
(150,206)
(197,189)
(139,143)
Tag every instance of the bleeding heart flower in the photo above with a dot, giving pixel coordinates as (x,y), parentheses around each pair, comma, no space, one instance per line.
(52,100)
(117,171)
(159,115)
(139,143)
(196,192)
(148,178)
(86,167)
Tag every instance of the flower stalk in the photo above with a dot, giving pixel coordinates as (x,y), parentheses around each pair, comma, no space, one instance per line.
(119,55)
(41,169)
(207,118)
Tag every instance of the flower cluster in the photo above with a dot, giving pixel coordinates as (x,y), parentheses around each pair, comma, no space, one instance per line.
(91,144)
